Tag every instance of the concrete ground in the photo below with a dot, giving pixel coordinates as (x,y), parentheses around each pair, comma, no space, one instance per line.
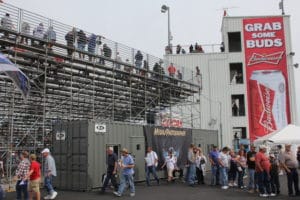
(173,191)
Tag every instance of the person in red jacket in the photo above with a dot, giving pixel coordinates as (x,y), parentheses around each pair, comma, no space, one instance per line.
(171,70)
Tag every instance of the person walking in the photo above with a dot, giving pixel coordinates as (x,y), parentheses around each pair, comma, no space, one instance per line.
(34,175)
(21,172)
(151,164)
(127,165)
(170,162)
(289,163)
(49,173)
(111,172)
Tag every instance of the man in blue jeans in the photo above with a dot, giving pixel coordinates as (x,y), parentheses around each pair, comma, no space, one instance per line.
(151,162)
(213,158)
(127,165)
(49,173)
(21,172)
(251,168)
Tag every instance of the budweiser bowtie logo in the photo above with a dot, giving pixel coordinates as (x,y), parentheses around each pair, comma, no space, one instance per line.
(273,58)
(267,96)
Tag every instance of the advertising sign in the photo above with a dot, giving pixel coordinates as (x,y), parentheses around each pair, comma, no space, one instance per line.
(266,75)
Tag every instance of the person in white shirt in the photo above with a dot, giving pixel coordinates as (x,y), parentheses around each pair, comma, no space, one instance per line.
(151,162)
(170,162)
(224,159)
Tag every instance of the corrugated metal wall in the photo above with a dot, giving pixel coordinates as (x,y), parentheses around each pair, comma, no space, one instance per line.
(81,157)
(216,86)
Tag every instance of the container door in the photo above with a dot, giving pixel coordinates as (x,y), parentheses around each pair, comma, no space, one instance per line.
(137,149)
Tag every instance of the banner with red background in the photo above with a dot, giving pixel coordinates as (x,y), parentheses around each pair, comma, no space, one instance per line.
(266,75)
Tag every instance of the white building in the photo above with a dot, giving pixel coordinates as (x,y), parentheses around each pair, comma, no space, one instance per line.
(251,44)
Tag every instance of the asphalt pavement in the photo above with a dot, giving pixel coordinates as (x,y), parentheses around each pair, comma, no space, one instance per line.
(172,191)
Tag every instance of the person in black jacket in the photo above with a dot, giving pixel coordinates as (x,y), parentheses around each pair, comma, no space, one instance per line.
(70,38)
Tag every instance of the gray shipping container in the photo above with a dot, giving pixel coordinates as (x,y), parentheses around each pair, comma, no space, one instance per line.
(79,149)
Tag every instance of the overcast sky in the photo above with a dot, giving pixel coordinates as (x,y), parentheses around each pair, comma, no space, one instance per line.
(140,24)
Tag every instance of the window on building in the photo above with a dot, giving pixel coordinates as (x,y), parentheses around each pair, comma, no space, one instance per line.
(239,132)
(238,105)
(234,42)
(236,73)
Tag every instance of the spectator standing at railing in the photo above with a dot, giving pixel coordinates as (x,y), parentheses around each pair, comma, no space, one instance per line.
(191,48)
(118,65)
(183,51)
(178,49)
(50,36)
(222,47)
(171,70)
(179,75)
(106,52)
(138,60)
(168,50)
(25,29)
(38,32)
(81,42)
(70,38)
(6,23)
(91,45)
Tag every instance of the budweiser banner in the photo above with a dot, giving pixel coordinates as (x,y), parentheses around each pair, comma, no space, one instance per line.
(266,75)
(164,139)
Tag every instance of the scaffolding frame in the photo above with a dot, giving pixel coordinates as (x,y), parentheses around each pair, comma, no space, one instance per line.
(65,87)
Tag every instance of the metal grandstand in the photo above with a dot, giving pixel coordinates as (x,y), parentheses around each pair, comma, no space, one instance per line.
(68,87)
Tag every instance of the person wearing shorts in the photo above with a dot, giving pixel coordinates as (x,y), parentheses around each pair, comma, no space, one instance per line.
(34,175)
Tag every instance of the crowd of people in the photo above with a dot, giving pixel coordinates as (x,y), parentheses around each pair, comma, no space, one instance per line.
(228,169)
(78,40)
(28,176)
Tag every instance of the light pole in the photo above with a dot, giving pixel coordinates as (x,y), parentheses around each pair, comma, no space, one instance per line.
(164,9)
(281,7)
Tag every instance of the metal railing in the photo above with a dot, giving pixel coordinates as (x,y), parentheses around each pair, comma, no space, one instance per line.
(20,17)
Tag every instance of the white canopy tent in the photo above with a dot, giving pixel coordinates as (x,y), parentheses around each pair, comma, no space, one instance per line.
(288,135)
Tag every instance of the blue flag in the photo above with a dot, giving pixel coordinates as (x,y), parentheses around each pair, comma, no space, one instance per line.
(20,80)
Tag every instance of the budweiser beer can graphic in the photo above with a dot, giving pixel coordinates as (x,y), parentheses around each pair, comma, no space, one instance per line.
(267,102)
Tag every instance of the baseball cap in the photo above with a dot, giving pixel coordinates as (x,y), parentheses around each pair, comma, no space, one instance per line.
(262,146)
(46,150)
(124,150)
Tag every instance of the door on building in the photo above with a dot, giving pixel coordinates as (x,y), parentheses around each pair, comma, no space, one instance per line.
(137,149)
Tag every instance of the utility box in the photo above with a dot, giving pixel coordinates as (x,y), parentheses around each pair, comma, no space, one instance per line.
(79,150)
